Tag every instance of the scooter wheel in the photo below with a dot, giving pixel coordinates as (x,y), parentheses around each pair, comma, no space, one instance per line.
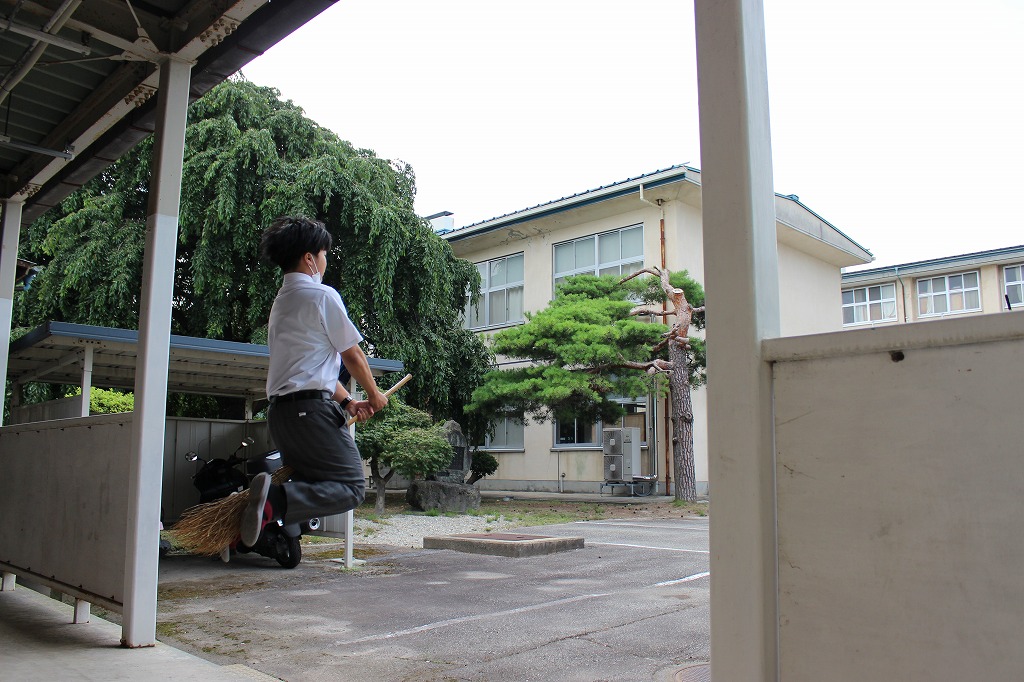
(289,552)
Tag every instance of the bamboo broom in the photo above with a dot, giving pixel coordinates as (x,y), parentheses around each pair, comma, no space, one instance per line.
(206,529)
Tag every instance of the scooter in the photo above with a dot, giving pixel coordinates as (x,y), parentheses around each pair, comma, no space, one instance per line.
(220,477)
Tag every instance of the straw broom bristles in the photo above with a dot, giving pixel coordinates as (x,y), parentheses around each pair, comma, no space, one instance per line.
(208,528)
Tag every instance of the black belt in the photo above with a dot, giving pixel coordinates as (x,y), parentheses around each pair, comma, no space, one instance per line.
(300,395)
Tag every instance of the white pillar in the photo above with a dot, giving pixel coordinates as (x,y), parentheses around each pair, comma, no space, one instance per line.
(146,465)
(741,277)
(8,273)
(86,379)
(82,611)
(8,581)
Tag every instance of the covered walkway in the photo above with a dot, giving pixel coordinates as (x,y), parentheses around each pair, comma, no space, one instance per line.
(41,643)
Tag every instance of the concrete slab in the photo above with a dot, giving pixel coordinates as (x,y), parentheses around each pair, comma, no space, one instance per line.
(513,545)
(40,642)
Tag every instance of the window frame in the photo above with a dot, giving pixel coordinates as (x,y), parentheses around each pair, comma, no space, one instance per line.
(945,293)
(867,303)
(598,263)
(503,423)
(577,445)
(1017,283)
(486,289)
(599,427)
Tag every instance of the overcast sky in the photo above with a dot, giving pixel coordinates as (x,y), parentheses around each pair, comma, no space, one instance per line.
(901,122)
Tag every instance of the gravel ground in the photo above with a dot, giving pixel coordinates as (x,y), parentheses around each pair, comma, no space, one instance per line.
(408,530)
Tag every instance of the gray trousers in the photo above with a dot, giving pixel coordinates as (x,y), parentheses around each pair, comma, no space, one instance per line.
(313,440)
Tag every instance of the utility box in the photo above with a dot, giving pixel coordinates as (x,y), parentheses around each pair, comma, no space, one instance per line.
(621,454)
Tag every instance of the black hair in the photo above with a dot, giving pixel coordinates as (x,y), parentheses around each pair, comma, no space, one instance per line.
(289,238)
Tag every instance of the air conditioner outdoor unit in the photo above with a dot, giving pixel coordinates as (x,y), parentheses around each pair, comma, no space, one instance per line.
(621,454)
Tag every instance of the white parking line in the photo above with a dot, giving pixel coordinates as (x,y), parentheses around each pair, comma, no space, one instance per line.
(626,524)
(667,549)
(467,619)
(689,578)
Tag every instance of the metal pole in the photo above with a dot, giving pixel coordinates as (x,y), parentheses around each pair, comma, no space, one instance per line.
(8,273)
(141,559)
(86,379)
(741,275)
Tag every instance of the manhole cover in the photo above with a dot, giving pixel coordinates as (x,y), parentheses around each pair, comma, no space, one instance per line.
(694,673)
(506,537)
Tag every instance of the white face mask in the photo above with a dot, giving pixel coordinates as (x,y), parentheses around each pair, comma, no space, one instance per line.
(317,275)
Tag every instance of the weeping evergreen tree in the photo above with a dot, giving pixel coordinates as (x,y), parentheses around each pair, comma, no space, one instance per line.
(249,158)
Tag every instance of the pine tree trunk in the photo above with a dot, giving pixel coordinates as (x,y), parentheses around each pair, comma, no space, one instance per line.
(682,426)
(380,484)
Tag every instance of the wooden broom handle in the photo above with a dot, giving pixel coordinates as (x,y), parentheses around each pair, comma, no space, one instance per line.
(402,382)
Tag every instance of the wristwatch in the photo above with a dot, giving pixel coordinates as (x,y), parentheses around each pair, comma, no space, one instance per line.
(344,403)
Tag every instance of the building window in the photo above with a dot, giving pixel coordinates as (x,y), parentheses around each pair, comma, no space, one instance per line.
(869,304)
(576,432)
(501,293)
(619,252)
(636,416)
(947,294)
(1013,278)
(508,435)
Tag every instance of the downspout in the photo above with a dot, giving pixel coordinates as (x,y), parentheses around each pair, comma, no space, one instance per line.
(903,293)
(664,318)
(32,54)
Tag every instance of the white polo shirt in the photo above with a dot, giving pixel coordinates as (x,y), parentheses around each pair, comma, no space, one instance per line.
(309,328)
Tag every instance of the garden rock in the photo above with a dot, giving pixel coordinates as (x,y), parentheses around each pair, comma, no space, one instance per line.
(442,496)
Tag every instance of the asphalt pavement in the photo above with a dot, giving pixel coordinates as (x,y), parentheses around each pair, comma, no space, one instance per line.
(632,605)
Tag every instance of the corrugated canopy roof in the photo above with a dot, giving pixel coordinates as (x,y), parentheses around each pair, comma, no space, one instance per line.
(54,353)
(78,78)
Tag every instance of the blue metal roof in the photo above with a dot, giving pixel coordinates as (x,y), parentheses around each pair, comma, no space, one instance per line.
(52,352)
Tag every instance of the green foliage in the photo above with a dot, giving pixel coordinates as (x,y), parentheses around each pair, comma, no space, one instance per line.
(483,464)
(250,157)
(103,401)
(404,439)
(579,347)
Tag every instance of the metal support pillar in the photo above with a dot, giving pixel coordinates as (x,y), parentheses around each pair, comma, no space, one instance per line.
(141,559)
(350,515)
(741,277)
(86,379)
(8,273)
(82,611)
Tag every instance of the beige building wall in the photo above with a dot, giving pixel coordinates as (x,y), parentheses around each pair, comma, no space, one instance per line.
(809,285)
(810,300)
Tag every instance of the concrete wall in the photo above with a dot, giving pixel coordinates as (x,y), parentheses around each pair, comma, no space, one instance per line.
(899,486)
(64,502)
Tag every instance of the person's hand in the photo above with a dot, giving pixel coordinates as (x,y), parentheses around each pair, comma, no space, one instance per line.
(360,409)
(378,401)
